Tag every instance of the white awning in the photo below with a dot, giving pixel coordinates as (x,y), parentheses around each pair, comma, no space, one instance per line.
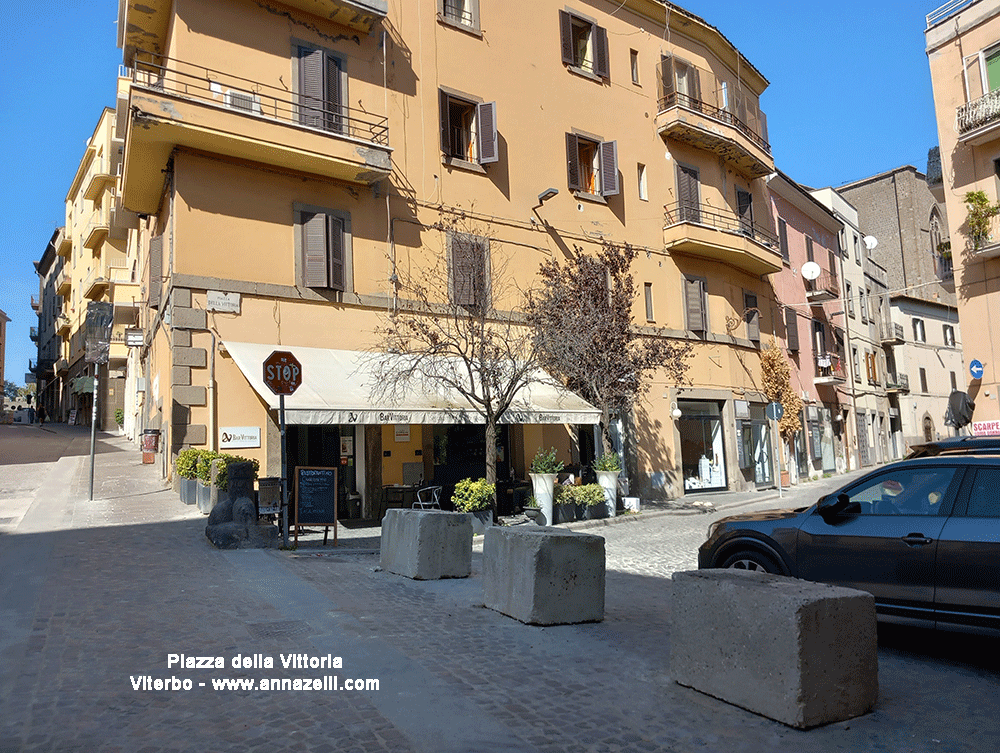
(335,390)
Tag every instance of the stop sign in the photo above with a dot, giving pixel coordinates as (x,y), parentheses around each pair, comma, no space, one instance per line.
(282,372)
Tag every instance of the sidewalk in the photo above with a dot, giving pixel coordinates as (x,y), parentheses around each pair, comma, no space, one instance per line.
(95,596)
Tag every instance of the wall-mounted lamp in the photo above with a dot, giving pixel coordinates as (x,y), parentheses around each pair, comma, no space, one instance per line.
(675,411)
(548,193)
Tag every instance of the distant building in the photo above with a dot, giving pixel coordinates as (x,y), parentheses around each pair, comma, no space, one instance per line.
(3,344)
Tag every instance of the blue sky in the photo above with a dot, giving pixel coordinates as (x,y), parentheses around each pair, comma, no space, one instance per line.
(850,96)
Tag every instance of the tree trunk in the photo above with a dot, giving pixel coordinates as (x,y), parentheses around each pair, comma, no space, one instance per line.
(606,440)
(491,453)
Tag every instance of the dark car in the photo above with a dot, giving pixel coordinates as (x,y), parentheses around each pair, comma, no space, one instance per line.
(921,535)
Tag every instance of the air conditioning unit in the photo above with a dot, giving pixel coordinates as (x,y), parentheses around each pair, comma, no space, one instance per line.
(244,101)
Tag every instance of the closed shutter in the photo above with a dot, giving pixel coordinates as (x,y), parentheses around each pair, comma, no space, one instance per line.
(783,238)
(694,83)
(609,168)
(463,270)
(566,37)
(334,117)
(486,133)
(314,271)
(744,206)
(600,40)
(335,245)
(665,81)
(155,269)
(809,249)
(792,329)
(694,303)
(573,163)
(445,123)
(311,87)
(752,317)
(687,194)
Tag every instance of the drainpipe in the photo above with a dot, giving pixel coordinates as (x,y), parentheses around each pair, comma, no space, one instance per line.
(212,418)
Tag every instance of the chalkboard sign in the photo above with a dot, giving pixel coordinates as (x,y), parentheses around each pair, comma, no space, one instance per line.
(316,498)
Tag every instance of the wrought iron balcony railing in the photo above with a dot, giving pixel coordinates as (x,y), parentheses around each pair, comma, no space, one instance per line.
(979,112)
(830,367)
(897,382)
(720,219)
(254,98)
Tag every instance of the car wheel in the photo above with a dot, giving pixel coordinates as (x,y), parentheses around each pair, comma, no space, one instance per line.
(751,560)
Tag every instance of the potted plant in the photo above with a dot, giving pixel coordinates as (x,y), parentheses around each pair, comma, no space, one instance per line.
(544,472)
(565,503)
(475,497)
(187,468)
(203,473)
(607,467)
(120,419)
(591,496)
(532,510)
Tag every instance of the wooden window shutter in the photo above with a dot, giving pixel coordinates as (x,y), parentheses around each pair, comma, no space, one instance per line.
(783,238)
(335,246)
(600,41)
(694,303)
(792,329)
(687,194)
(566,37)
(486,133)
(752,316)
(809,249)
(445,122)
(480,269)
(610,185)
(332,101)
(694,83)
(573,163)
(463,270)
(665,81)
(311,87)
(155,270)
(314,270)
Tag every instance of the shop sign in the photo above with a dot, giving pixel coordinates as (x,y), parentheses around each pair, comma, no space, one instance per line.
(742,408)
(402,432)
(216,300)
(986,428)
(346,446)
(236,437)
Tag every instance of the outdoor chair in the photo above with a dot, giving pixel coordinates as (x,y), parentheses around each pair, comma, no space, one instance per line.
(428,498)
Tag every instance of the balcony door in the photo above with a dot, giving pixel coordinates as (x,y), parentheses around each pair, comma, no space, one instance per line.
(688,193)
(321,87)
(992,64)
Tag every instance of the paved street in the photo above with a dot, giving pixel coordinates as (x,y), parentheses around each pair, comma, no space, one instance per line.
(94,596)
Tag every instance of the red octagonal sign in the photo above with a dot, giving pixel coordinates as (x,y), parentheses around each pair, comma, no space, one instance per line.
(282,372)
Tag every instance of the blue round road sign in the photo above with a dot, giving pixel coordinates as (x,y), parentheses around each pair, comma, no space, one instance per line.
(774,411)
(976,369)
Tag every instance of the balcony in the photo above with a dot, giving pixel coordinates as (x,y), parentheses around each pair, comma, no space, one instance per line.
(897,383)
(824,288)
(64,244)
(721,235)
(99,176)
(61,366)
(96,285)
(829,369)
(121,220)
(181,104)
(891,333)
(33,334)
(697,108)
(64,283)
(97,230)
(36,304)
(979,120)
(987,246)
(63,325)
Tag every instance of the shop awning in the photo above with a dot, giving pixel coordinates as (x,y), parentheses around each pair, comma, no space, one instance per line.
(336,390)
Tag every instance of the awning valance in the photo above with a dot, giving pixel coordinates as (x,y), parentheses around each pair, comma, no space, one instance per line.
(336,390)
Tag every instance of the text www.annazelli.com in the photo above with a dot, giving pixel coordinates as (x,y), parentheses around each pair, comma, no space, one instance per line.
(326,682)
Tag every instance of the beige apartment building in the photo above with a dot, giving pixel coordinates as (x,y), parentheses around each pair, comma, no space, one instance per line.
(291,163)
(963,50)
(94,265)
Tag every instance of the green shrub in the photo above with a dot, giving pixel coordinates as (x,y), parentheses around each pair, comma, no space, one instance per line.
(532,502)
(119,416)
(471,496)
(203,470)
(546,462)
(187,463)
(222,478)
(590,495)
(608,462)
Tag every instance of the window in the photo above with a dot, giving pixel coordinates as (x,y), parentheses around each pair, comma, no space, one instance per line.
(909,491)
(954,381)
(984,502)
(468,129)
(643,192)
(469,271)
(752,316)
(634,65)
(325,247)
(593,165)
(850,300)
(863,305)
(857,364)
(949,335)
(857,249)
(648,289)
(696,303)
(791,329)
(810,254)
(688,194)
(819,337)
(679,84)
(923,380)
(460,12)
(918,331)
(321,89)
(584,44)
(783,238)
(868,305)
(744,208)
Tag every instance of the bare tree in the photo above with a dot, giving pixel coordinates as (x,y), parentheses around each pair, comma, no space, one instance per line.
(450,331)
(582,318)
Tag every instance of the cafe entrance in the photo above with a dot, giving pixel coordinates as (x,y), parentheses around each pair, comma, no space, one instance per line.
(327,447)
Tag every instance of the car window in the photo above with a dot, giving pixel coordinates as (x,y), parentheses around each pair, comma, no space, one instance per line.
(984,499)
(905,491)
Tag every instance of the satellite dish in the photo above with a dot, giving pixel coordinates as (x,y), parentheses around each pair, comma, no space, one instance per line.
(870,242)
(811,270)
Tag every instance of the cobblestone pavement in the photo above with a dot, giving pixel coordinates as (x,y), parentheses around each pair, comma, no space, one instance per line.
(95,595)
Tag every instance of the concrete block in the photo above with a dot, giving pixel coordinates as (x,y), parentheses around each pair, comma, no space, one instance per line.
(190,357)
(182,318)
(182,338)
(427,544)
(180,376)
(544,576)
(189,434)
(190,395)
(798,652)
(181,298)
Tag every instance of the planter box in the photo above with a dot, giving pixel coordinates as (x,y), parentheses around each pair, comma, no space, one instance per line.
(203,496)
(565,513)
(595,512)
(543,486)
(609,483)
(188,488)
